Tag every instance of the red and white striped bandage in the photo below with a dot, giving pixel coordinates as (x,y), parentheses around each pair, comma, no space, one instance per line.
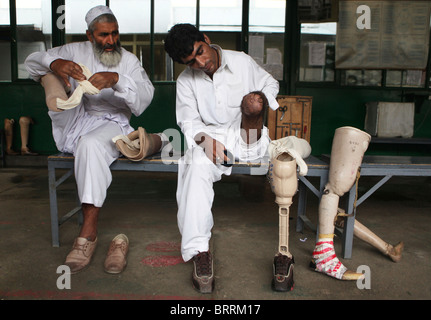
(326,260)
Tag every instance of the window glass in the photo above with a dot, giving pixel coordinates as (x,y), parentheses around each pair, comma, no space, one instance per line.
(134,23)
(266,36)
(317,53)
(5,37)
(166,14)
(405,78)
(361,77)
(75,12)
(221,15)
(34,30)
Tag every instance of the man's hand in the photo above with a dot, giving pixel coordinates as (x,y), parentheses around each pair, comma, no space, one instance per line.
(214,149)
(102,80)
(65,69)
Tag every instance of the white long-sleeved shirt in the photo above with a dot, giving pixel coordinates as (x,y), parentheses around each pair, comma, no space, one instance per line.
(131,94)
(212,105)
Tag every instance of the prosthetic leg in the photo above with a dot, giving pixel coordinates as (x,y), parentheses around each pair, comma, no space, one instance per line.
(284,183)
(348,148)
(365,234)
(8,129)
(24,123)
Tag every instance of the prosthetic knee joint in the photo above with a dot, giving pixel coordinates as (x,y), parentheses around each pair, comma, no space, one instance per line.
(348,148)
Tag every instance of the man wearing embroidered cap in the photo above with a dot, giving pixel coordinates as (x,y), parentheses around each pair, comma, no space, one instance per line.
(119,87)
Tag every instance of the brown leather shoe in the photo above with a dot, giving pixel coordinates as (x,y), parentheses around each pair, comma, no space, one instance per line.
(116,261)
(81,254)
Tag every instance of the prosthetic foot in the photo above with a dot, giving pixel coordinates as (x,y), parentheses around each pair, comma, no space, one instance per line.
(24,123)
(348,148)
(138,144)
(394,252)
(284,183)
(8,129)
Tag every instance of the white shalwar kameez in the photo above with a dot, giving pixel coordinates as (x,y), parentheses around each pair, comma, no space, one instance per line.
(212,106)
(86,131)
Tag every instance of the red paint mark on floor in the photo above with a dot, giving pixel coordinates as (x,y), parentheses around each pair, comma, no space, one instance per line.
(163,246)
(162,261)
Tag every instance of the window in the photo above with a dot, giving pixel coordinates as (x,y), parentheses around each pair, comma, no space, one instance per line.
(5,41)
(34,30)
(266,35)
(317,53)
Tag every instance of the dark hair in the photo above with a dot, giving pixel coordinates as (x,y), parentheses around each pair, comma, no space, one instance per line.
(180,41)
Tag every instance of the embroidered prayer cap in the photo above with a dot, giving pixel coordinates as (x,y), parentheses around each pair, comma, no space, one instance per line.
(93,13)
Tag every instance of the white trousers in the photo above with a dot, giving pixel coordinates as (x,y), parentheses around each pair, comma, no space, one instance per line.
(88,138)
(195,194)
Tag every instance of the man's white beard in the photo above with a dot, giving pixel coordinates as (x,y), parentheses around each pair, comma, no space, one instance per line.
(108,58)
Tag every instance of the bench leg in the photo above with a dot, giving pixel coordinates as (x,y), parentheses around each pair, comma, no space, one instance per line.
(53,206)
(349,224)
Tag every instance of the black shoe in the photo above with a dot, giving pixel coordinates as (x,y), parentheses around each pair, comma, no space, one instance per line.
(203,275)
(282,279)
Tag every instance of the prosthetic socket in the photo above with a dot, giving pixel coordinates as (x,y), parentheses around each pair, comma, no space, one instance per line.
(348,148)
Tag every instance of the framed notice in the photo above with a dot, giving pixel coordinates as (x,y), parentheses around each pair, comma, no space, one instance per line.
(383,34)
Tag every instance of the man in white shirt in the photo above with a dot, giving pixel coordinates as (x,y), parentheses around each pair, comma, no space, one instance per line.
(210,92)
(87,130)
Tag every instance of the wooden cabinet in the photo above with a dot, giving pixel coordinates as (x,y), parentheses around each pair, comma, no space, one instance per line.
(292,118)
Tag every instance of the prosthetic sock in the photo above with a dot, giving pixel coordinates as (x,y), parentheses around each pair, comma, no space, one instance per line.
(348,148)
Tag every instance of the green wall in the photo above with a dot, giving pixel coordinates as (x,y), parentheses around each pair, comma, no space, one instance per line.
(332,108)
(27,99)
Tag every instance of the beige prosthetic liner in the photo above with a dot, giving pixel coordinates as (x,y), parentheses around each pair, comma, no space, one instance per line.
(54,89)
(284,184)
(348,148)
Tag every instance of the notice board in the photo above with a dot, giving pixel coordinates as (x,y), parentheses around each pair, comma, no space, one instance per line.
(397,36)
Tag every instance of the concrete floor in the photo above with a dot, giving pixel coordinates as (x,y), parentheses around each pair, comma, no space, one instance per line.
(245,238)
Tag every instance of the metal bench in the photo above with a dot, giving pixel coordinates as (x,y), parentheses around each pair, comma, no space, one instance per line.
(154,163)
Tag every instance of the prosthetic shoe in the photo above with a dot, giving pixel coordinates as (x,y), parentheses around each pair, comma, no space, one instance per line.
(284,183)
(348,148)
